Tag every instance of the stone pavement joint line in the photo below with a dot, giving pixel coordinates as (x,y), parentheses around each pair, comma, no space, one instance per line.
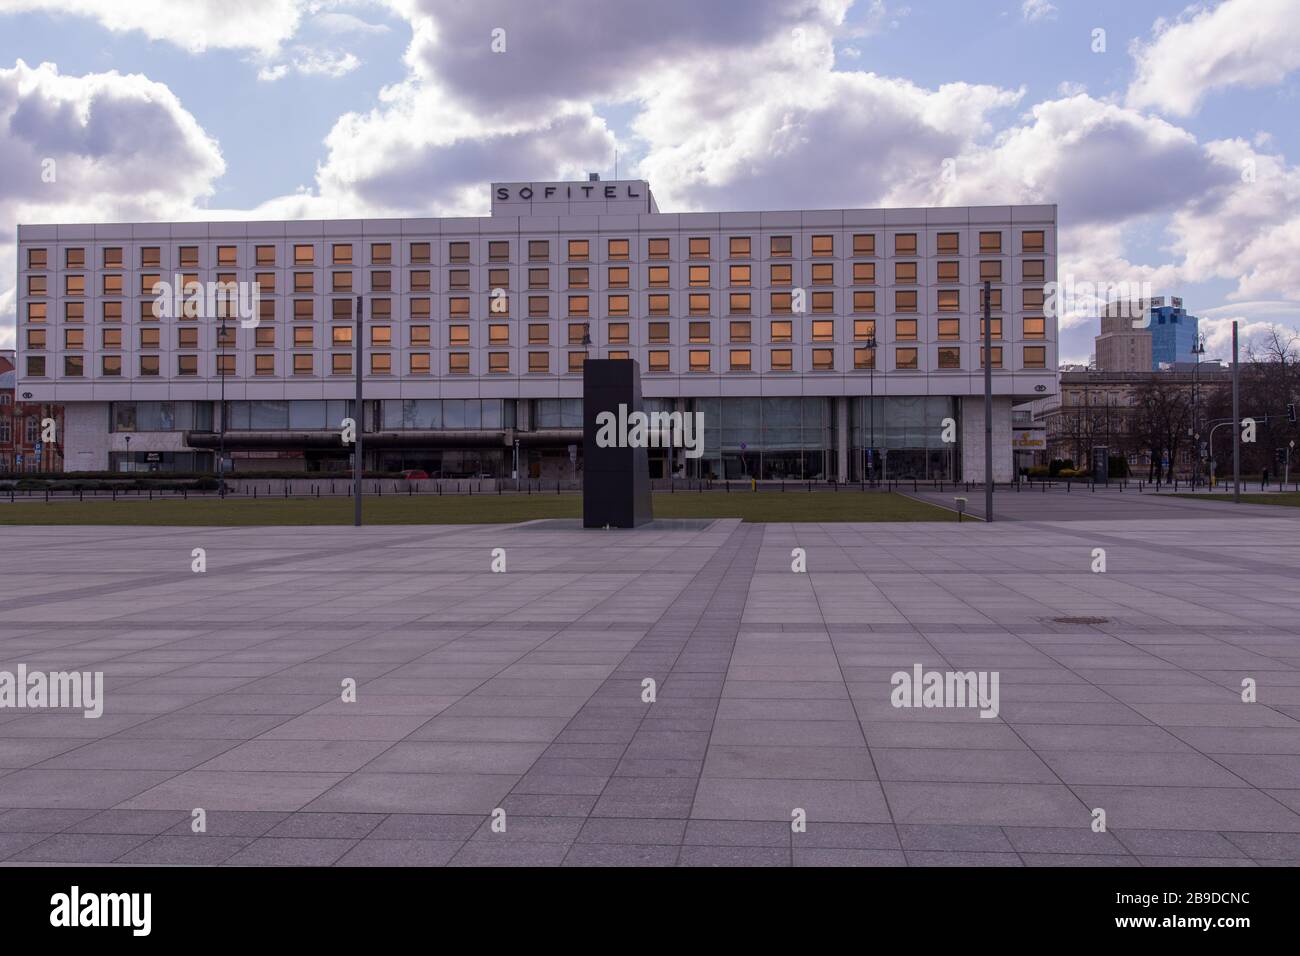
(523,691)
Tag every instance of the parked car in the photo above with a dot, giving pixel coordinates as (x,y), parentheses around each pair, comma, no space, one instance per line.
(414,474)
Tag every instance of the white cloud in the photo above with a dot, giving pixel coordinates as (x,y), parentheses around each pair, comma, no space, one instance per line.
(196,25)
(1033,10)
(1247,43)
(310,62)
(347,23)
(121,147)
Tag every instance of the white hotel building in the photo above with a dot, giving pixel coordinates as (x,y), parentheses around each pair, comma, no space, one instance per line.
(814,341)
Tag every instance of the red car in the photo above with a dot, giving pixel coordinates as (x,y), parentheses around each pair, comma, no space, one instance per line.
(414,474)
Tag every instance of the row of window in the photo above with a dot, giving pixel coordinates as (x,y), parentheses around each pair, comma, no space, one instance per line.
(539,306)
(617,333)
(420,363)
(577,250)
(579,277)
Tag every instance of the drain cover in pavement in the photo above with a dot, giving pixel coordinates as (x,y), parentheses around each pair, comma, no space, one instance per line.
(1080,620)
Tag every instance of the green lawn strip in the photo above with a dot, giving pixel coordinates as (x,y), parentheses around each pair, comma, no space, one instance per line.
(763,506)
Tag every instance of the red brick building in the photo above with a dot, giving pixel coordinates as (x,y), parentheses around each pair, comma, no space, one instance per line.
(20,427)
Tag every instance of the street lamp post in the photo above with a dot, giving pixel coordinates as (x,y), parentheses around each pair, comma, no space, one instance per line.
(871,412)
(360,426)
(1236,422)
(988,400)
(1198,349)
(221,449)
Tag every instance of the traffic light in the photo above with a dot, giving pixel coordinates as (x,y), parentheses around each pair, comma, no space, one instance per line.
(1290,412)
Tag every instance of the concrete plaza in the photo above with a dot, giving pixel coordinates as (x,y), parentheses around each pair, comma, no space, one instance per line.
(523,691)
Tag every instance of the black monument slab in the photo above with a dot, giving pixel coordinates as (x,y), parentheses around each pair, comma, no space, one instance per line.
(615,473)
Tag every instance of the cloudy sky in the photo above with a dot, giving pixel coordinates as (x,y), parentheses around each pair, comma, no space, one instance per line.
(1167,134)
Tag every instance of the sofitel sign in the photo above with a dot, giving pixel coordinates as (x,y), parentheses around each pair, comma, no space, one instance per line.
(527,193)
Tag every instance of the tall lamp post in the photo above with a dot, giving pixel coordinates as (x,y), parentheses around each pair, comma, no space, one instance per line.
(361,427)
(1198,349)
(988,400)
(221,452)
(871,412)
(1236,422)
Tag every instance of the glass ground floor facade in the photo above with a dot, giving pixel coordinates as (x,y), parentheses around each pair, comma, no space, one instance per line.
(767,438)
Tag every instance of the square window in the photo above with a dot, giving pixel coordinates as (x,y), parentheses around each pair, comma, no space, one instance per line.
(458,252)
(905,330)
(618,333)
(782,331)
(864,244)
(782,360)
(990,242)
(498,251)
(341,363)
(618,249)
(421,252)
(905,244)
(823,245)
(740,360)
(700,360)
(780,246)
(698,247)
(420,363)
(949,329)
(864,329)
(303,364)
(739,247)
(739,331)
(381,363)
(539,250)
(950,357)
(905,301)
(657,249)
(823,360)
(458,363)
(905,359)
(111,365)
(659,332)
(864,357)
(341,253)
(1035,356)
(539,362)
(997,357)
(264,364)
(947,243)
(498,363)
(659,361)
(1031,240)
